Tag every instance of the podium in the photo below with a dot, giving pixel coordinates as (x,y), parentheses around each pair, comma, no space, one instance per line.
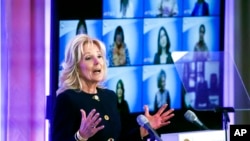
(207,135)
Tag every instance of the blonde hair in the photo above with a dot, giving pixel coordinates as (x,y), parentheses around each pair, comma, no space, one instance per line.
(70,77)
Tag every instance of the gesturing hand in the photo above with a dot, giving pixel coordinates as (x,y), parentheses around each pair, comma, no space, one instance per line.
(89,125)
(160,118)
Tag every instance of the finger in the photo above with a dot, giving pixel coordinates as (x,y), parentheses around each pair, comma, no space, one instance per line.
(83,120)
(161,110)
(165,123)
(99,128)
(95,119)
(167,117)
(146,110)
(97,122)
(83,114)
(168,112)
(91,114)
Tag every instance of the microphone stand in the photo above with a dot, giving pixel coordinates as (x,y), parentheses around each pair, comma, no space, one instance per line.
(225,111)
(226,121)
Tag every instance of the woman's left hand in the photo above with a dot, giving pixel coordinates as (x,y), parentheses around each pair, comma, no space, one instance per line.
(160,118)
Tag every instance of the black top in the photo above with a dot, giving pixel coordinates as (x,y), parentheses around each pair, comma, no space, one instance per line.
(169,59)
(67,115)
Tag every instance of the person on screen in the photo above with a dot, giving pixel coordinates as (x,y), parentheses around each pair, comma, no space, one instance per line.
(126,9)
(167,8)
(201,8)
(163,55)
(162,96)
(118,53)
(201,49)
(86,110)
(214,95)
(202,92)
(81,27)
(122,105)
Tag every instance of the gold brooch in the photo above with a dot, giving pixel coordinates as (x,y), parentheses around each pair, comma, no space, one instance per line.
(95,97)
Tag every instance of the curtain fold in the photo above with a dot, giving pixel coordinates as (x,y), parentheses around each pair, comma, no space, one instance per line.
(24,78)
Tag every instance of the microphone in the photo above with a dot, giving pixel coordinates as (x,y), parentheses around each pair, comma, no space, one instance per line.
(191,117)
(143,121)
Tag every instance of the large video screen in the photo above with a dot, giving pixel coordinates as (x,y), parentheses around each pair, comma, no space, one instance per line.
(147,43)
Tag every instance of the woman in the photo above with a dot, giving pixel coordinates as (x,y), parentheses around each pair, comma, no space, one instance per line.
(126,9)
(162,96)
(201,49)
(84,110)
(201,8)
(168,8)
(123,107)
(118,53)
(163,55)
(122,103)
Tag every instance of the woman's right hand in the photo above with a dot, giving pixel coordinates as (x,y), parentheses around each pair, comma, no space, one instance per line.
(89,124)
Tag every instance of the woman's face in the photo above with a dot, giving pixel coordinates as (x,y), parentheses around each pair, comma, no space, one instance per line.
(163,81)
(163,39)
(92,64)
(201,33)
(119,90)
(118,39)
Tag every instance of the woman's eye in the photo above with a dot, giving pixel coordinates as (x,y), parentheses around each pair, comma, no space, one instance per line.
(91,57)
(87,58)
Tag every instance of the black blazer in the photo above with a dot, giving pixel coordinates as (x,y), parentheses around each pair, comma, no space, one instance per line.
(67,115)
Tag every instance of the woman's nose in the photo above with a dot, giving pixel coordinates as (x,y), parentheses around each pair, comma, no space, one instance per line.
(96,61)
